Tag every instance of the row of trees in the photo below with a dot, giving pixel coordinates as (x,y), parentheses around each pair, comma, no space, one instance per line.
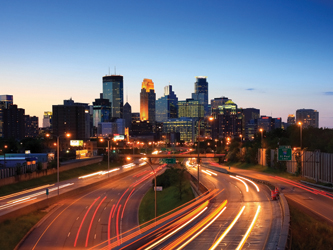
(312,139)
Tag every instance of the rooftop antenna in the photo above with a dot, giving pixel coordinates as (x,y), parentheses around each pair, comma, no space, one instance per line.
(126,95)
(109,70)
(115,72)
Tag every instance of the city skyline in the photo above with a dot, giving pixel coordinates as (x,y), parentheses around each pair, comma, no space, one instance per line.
(276,57)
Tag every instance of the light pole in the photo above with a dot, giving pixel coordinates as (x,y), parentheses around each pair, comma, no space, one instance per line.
(58,149)
(108,155)
(4,156)
(129,158)
(198,137)
(300,137)
(262,150)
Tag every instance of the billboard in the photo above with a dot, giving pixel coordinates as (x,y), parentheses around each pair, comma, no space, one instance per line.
(118,137)
(76,143)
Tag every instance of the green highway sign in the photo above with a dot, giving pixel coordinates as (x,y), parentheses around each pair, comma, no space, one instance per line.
(163,149)
(284,153)
(168,161)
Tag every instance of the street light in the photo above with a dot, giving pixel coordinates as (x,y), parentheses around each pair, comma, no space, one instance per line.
(4,156)
(58,136)
(129,158)
(198,160)
(262,150)
(300,130)
(108,155)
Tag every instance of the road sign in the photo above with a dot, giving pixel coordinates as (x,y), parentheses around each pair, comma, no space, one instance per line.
(163,149)
(284,153)
(168,160)
(158,188)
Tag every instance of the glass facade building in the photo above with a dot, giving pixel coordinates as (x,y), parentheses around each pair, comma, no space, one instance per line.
(113,89)
(147,101)
(308,117)
(167,105)
(201,92)
(184,126)
(190,108)
(101,111)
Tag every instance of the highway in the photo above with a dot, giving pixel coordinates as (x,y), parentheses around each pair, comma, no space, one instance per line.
(311,200)
(239,217)
(94,217)
(21,199)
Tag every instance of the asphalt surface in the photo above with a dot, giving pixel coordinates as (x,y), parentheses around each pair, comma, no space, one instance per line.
(266,231)
(93,217)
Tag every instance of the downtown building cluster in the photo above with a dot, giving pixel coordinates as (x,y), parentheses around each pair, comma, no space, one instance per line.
(166,118)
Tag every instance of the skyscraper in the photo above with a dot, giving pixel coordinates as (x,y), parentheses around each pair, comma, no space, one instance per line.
(201,92)
(167,105)
(291,119)
(101,110)
(47,119)
(308,117)
(127,115)
(147,101)
(13,123)
(5,102)
(113,88)
(190,108)
(73,118)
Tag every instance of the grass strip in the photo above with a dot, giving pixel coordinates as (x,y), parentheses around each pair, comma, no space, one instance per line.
(308,232)
(167,200)
(49,179)
(13,230)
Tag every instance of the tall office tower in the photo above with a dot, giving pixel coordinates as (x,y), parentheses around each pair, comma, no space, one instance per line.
(167,105)
(31,126)
(308,117)
(201,92)
(73,118)
(113,89)
(47,119)
(101,110)
(291,119)
(127,115)
(228,121)
(5,102)
(13,123)
(216,102)
(190,108)
(268,123)
(147,101)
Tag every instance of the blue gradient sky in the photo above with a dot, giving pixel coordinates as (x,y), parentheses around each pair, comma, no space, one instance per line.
(273,55)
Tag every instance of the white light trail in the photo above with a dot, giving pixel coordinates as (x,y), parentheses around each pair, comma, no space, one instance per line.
(246,186)
(249,181)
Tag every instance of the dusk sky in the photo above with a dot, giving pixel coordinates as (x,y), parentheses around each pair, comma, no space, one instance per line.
(276,56)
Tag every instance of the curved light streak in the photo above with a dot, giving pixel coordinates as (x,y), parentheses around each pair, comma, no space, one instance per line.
(241,244)
(203,229)
(227,230)
(175,231)
(246,186)
(258,190)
